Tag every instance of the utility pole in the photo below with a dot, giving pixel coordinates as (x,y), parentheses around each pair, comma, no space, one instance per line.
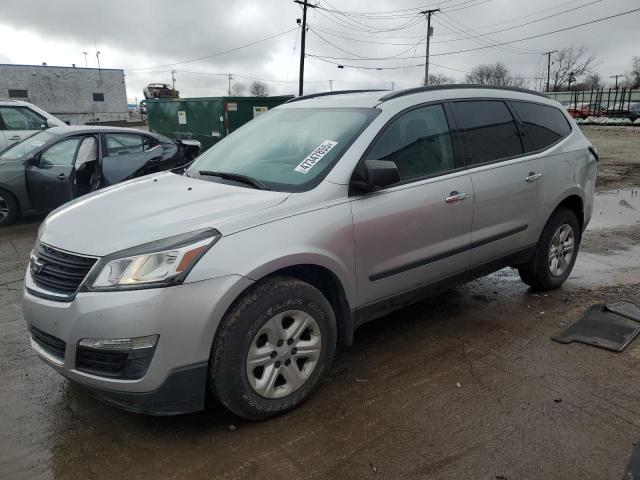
(548,54)
(428,13)
(616,77)
(230,77)
(86,64)
(173,79)
(331,85)
(304,4)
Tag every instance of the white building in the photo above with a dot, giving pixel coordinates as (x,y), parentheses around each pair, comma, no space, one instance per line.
(74,95)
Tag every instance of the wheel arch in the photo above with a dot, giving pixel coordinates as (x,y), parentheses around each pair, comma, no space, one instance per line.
(575,203)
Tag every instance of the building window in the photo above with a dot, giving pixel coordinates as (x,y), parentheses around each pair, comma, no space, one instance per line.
(18,94)
(98,97)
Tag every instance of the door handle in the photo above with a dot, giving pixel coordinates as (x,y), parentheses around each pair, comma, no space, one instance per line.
(455,196)
(533,177)
(15,137)
(61,176)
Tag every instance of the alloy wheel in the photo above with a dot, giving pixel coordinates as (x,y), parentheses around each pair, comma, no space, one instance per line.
(561,250)
(4,208)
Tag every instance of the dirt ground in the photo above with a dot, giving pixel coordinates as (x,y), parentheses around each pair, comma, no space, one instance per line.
(466,385)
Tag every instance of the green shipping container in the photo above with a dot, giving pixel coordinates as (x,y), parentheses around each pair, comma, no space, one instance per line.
(205,119)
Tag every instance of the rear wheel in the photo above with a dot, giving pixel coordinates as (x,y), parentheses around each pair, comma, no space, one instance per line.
(555,253)
(8,208)
(272,348)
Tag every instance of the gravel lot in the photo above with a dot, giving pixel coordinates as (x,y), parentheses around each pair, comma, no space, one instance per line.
(464,385)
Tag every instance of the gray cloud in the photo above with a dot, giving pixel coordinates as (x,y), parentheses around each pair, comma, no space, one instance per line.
(134,34)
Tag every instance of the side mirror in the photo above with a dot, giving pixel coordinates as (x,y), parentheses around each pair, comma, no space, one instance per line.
(378,174)
(32,161)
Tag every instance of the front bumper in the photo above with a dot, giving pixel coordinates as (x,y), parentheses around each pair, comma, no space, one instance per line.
(185,317)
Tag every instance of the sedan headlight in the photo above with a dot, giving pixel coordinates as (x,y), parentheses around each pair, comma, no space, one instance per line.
(156,264)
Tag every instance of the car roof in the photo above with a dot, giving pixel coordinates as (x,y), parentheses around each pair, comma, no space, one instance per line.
(78,129)
(375,98)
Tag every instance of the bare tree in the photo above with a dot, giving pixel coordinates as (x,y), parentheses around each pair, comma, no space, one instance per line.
(259,89)
(493,74)
(570,63)
(592,81)
(440,79)
(238,89)
(632,78)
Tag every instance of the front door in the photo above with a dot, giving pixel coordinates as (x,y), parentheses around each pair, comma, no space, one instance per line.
(417,232)
(50,180)
(507,184)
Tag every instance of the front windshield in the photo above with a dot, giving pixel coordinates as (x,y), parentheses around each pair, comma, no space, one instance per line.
(25,147)
(285,149)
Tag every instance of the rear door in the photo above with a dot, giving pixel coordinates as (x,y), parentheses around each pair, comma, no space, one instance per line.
(416,232)
(508,197)
(129,155)
(20,123)
(50,181)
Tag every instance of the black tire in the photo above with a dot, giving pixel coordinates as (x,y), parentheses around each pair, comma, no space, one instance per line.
(7,202)
(228,380)
(537,273)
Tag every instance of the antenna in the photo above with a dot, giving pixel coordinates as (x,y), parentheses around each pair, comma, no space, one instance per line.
(86,64)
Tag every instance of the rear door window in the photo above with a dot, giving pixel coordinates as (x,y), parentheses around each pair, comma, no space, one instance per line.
(489,131)
(21,118)
(123,143)
(545,125)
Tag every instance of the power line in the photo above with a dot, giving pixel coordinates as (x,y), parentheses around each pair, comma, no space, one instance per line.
(235,49)
(500,43)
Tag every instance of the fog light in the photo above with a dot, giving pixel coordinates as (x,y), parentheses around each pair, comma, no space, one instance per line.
(124,358)
(121,344)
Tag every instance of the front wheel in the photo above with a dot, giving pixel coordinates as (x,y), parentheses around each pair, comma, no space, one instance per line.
(272,348)
(8,208)
(555,253)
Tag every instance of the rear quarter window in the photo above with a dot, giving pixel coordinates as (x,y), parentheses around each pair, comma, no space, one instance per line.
(545,125)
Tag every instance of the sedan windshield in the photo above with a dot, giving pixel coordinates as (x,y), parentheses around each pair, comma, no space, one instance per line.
(286,150)
(26,147)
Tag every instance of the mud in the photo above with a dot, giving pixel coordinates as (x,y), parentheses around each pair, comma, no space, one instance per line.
(464,385)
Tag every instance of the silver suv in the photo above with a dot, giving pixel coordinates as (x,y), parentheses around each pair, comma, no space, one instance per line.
(235,279)
(19,120)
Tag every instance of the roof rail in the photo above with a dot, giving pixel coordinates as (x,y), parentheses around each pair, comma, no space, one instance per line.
(454,86)
(335,92)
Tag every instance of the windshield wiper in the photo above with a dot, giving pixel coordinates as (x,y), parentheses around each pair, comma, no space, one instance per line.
(235,177)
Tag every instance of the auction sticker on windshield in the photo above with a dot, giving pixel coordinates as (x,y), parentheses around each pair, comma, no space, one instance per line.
(315,156)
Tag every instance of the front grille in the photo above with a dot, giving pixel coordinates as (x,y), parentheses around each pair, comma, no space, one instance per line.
(52,345)
(58,271)
(130,364)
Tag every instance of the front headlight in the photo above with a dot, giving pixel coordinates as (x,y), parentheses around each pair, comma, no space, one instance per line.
(157,264)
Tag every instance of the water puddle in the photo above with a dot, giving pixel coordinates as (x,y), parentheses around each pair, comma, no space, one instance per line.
(616,207)
(610,249)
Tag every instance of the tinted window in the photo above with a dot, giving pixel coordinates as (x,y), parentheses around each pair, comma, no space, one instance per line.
(20,118)
(62,153)
(418,142)
(122,143)
(545,125)
(490,133)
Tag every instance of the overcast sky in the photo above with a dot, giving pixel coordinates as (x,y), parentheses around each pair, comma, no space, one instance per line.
(135,34)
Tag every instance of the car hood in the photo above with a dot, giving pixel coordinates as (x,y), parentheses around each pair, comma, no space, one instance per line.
(149,209)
